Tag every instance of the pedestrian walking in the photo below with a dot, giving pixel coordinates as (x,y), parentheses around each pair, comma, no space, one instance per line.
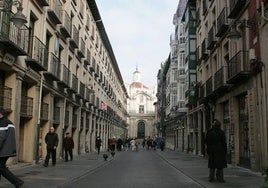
(133,144)
(7,148)
(162,144)
(98,144)
(68,146)
(52,141)
(216,150)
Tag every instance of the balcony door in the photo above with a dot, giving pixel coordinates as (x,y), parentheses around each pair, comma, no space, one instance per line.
(244,150)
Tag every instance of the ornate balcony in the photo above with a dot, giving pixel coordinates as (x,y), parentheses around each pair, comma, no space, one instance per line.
(74,40)
(38,55)
(209,87)
(204,52)
(81,93)
(64,77)
(238,68)
(53,71)
(74,84)
(222,23)
(12,39)
(211,38)
(201,92)
(81,51)
(220,77)
(235,7)
(65,27)
(87,59)
(54,11)
(93,66)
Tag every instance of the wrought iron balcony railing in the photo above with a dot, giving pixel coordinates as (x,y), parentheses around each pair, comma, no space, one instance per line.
(238,67)
(53,67)
(235,7)
(13,39)
(66,26)
(65,76)
(54,11)
(74,40)
(222,23)
(38,55)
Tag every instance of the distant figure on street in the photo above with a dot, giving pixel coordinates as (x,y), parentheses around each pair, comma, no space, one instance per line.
(119,144)
(68,146)
(143,142)
(7,148)
(216,150)
(149,143)
(133,144)
(162,144)
(98,144)
(52,141)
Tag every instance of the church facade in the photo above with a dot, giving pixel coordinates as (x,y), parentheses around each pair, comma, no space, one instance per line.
(141,109)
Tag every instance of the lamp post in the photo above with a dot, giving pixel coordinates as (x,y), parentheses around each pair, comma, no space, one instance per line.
(234,35)
(19,19)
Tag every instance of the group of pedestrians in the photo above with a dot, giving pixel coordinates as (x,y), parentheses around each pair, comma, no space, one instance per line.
(153,143)
(215,142)
(52,141)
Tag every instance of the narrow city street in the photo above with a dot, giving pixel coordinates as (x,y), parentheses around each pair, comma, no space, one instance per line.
(131,169)
(143,169)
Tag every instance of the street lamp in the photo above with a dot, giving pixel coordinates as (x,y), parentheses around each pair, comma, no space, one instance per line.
(234,35)
(18,18)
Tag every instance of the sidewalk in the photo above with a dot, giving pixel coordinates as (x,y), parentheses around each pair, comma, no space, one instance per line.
(37,176)
(196,167)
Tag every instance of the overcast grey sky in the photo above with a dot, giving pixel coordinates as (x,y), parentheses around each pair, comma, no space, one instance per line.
(139,32)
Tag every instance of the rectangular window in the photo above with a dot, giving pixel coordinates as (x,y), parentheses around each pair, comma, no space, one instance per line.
(141,109)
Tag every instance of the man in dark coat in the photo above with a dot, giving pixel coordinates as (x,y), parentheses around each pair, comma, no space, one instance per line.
(7,148)
(52,141)
(68,146)
(216,149)
(98,144)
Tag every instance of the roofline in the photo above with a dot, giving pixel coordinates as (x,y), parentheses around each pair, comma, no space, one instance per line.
(97,18)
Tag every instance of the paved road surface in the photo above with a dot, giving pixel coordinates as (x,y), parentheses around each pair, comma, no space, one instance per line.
(142,169)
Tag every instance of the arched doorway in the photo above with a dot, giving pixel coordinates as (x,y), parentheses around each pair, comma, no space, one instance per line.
(141,130)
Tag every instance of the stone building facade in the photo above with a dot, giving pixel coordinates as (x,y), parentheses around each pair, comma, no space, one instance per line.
(140,109)
(225,62)
(59,70)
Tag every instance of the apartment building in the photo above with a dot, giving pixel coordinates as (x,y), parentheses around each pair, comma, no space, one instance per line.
(225,78)
(229,77)
(174,78)
(59,70)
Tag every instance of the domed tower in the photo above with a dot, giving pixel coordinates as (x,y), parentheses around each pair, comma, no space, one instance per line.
(137,76)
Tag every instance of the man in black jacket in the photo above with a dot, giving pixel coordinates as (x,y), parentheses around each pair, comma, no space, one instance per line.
(98,144)
(52,141)
(68,146)
(7,148)
(216,149)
